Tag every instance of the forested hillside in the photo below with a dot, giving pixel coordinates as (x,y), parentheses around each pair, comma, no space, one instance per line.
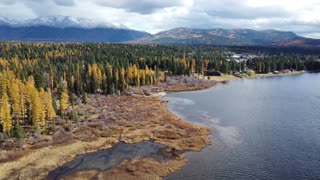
(229,37)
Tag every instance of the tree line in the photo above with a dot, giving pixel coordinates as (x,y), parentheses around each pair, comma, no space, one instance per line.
(39,81)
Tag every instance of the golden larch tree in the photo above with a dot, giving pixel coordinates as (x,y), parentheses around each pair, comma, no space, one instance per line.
(42,106)
(22,101)
(5,115)
(64,100)
(15,98)
(49,108)
(36,106)
(3,82)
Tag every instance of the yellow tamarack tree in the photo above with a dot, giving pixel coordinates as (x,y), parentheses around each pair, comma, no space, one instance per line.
(89,70)
(162,76)
(42,107)
(64,100)
(143,77)
(35,102)
(23,95)
(5,115)
(49,108)
(123,73)
(15,98)
(3,82)
(36,107)
(130,74)
(136,75)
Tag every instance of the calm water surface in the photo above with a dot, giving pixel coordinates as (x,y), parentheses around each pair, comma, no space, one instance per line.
(108,158)
(265,128)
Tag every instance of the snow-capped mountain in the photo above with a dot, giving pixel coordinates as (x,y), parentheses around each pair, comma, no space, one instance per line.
(60,22)
(65,29)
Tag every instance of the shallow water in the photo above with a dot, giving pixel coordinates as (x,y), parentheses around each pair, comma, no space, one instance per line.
(106,159)
(265,128)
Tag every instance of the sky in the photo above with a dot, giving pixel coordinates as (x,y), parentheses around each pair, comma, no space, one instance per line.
(299,16)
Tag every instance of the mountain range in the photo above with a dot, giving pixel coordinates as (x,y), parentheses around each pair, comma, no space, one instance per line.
(70,29)
(229,37)
(65,29)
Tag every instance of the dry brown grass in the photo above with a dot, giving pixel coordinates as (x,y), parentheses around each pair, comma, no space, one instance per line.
(37,163)
(12,155)
(139,168)
(130,118)
(184,83)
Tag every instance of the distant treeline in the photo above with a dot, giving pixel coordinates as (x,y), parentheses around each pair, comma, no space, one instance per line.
(107,68)
(276,50)
(33,76)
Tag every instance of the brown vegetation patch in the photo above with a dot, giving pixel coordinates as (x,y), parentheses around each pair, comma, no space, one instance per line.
(62,138)
(185,83)
(86,133)
(37,163)
(139,168)
(12,155)
(126,118)
(173,84)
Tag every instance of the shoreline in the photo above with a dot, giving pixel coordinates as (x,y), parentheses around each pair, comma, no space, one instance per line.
(232,77)
(57,155)
(163,127)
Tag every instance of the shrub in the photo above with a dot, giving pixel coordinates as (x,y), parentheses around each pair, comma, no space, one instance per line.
(250,72)
(74,115)
(19,132)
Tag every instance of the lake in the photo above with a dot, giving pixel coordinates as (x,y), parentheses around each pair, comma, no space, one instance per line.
(264,128)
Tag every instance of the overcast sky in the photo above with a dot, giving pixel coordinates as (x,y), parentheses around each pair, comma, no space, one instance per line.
(299,16)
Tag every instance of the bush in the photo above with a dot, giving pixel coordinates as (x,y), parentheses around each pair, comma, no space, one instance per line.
(74,116)
(250,72)
(84,98)
(19,132)
(51,129)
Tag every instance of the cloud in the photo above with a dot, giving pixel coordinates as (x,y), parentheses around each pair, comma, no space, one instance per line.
(248,12)
(141,6)
(64,2)
(8,2)
(315,35)
(302,17)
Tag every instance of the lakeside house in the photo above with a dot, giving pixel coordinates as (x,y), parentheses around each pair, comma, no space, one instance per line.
(243,57)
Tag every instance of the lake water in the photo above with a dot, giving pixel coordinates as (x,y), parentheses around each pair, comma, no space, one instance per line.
(265,128)
(108,158)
